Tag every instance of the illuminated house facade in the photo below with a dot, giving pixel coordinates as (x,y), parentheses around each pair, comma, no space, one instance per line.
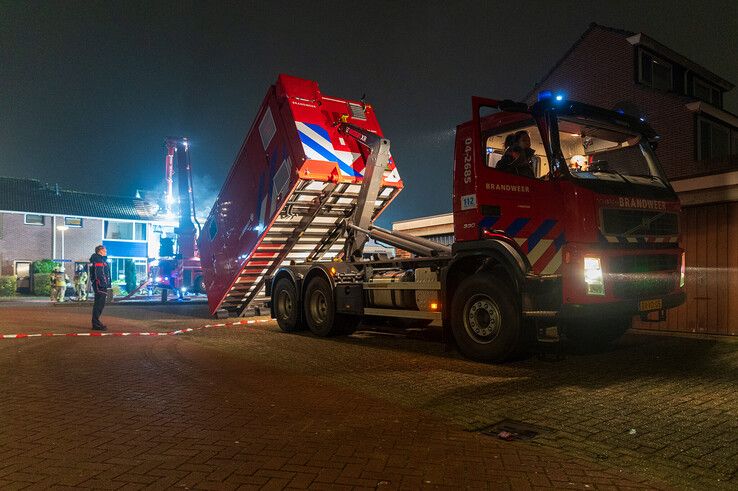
(38,221)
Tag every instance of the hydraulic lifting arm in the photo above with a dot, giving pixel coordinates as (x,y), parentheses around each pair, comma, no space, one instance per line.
(376,163)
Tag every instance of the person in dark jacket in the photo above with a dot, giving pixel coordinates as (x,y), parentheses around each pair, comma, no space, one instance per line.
(100,281)
(518,155)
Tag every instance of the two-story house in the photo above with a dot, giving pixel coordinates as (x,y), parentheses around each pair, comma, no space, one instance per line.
(38,221)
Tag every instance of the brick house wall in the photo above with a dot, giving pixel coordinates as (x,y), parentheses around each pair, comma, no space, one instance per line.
(22,242)
(79,243)
(600,70)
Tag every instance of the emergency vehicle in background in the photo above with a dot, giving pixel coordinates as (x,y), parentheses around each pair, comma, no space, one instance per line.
(178,267)
(584,246)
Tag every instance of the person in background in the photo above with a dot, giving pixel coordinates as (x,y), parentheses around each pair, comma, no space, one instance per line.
(58,284)
(100,281)
(80,285)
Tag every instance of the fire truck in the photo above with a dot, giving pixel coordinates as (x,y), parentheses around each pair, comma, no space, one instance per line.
(583,241)
(178,267)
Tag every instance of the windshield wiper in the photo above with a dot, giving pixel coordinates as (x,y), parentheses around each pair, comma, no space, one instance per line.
(612,171)
(650,176)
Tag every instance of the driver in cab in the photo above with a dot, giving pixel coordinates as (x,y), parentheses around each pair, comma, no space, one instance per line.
(518,157)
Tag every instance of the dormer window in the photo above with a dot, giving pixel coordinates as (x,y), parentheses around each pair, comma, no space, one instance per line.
(654,71)
(707,92)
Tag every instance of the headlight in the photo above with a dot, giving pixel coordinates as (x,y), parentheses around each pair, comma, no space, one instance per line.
(184,289)
(683,271)
(158,279)
(593,276)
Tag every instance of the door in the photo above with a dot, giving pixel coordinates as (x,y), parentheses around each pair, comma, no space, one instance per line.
(23,273)
(709,235)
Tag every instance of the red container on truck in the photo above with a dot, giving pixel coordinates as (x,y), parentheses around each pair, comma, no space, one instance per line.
(295,180)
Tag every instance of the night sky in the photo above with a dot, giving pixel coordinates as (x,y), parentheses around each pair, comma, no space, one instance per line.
(89,90)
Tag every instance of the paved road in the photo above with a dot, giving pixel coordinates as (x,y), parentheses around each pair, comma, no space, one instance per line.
(250,406)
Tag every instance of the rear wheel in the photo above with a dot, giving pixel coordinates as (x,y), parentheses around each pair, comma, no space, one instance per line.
(286,306)
(592,335)
(485,320)
(320,311)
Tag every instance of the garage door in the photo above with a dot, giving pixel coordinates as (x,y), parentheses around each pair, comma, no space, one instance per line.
(710,237)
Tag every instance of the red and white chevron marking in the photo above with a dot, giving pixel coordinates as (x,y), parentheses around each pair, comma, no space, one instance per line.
(100,334)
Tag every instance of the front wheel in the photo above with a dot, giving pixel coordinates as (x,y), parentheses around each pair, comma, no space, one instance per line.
(320,311)
(486,321)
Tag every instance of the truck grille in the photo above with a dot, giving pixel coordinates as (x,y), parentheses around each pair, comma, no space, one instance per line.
(643,263)
(618,222)
(640,285)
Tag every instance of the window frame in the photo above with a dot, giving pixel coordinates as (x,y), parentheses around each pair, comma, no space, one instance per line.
(712,88)
(658,60)
(26,222)
(142,226)
(70,225)
(134,232)
(714,124)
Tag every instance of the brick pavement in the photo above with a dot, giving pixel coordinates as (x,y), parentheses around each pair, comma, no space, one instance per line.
(677,394)
(254,407)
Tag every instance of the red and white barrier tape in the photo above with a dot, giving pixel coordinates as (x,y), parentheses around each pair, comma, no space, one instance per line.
(96,334)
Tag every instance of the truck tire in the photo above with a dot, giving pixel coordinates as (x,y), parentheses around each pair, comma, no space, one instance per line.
(593,335)
(486,321)
(320,311)
(286,306)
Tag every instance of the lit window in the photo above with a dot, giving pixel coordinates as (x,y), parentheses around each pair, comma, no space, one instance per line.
(140,231)
(34,219)
(73,222)
(118,230)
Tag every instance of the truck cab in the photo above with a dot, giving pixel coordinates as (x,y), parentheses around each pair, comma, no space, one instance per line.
(584,209)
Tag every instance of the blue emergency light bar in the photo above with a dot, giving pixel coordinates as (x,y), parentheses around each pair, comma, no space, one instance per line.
(547,94)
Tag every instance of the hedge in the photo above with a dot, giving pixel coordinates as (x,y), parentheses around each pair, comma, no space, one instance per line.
(42,284)
(43,266)
(8,286)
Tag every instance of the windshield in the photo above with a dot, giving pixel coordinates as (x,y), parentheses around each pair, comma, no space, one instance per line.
(597,150)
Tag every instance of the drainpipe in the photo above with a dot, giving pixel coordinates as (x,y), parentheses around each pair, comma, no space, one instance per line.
(53,237)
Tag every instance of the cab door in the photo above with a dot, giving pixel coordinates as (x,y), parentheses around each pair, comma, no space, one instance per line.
(527,210)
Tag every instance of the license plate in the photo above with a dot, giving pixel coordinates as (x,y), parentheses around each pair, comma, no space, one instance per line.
(647,305)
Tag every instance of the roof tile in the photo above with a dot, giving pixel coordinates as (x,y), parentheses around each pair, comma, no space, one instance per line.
(33,196)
